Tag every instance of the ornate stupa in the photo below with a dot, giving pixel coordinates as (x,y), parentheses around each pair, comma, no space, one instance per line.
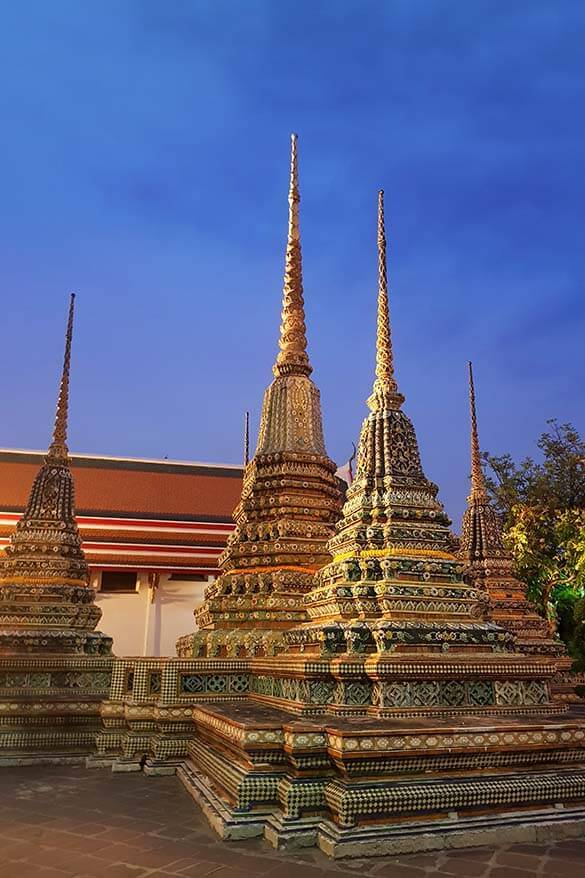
(46,601)
(394,580)
(395,717)
(55,669)
(489,565)
(290,497)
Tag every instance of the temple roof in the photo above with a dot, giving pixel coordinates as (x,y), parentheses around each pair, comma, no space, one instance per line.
(130,486)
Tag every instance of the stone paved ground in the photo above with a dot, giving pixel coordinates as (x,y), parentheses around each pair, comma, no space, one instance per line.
(73,823)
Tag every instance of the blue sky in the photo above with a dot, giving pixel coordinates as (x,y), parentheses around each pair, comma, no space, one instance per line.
(144,162)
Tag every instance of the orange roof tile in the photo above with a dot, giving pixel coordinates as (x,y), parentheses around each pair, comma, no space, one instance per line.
(141,488)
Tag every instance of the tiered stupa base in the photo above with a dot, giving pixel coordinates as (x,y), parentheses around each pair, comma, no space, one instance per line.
(359,754)
(358,788)
(50,706)
(54,668)
(52,679)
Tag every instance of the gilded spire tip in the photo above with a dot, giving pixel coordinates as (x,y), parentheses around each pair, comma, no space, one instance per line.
(478,489)
(385,392)
(246,438)
(58,447)
(292,357)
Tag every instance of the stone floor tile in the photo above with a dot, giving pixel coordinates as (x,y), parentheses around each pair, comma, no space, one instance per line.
(561,852)
(51,872)
(19,870)
(364,867)
(89,865)
(519,860)
(57,838)
(393,870)
(118,852)
(507,872)
(198,838)
(79,824)
(161,874)
(48,857)
(15,850)
(463,867)
(566,856)
(139,824)
(184,863)
(24,832)
(201,870)
(578,843)
(286,869)
(88,845)
(291,870)
(245,862)
(120,834)
(122,871)
(65,823)
(37,819)
(538,850)
(170,831)
(563,868)
(96,830)
(153,859)
(180,849)
(422,861)
(468,853)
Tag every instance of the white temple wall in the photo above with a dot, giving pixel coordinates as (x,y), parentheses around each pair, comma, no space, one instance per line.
(146,623)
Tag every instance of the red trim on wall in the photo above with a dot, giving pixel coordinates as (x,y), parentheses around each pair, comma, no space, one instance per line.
(145,548)
(153,523)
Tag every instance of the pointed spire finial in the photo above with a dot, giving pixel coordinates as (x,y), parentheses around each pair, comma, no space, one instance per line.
(246,438)
(292,357)
(385,392)
(478,489)
(58,447)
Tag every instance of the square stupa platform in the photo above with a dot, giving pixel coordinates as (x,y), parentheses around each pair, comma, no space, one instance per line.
(373,786)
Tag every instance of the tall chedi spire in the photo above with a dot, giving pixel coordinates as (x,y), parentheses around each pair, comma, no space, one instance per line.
(489,565)
(478,491)
(290,497)
(394,581)
(46,602)
(292,357)
(246,438)
(58,448)
(287,424)
(385,391)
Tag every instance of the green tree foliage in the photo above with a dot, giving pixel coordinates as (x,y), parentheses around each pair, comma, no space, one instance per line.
(557,483)
(542,505)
